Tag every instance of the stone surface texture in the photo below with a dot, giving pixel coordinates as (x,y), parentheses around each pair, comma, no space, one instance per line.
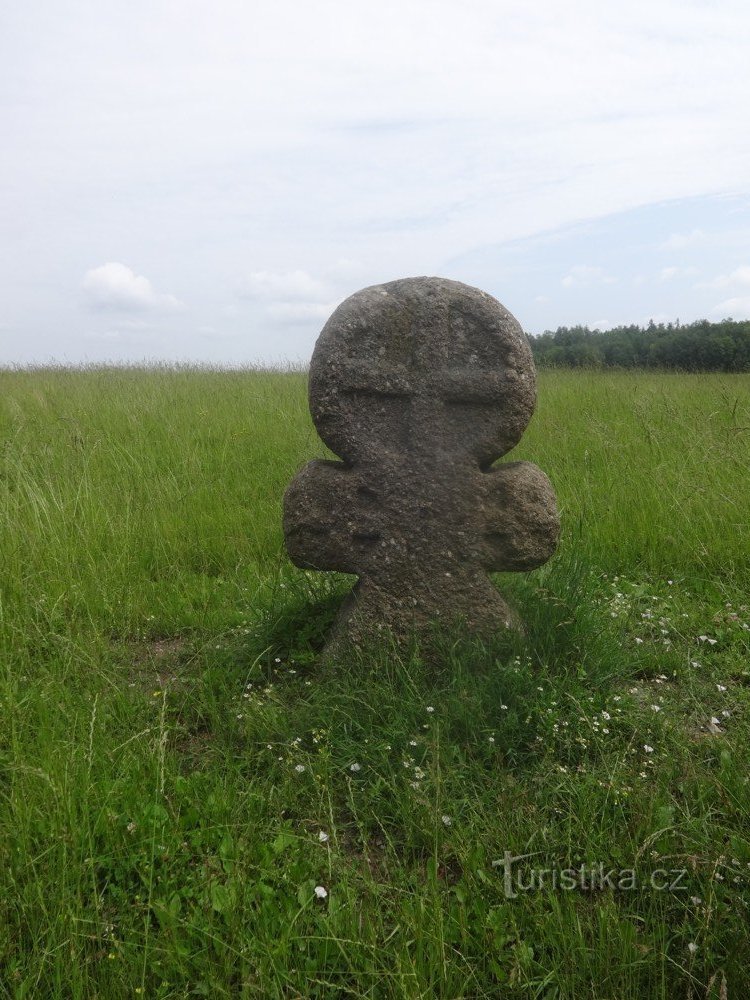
(419,385)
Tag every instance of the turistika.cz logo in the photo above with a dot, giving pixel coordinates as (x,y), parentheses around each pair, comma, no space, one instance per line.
(588,877)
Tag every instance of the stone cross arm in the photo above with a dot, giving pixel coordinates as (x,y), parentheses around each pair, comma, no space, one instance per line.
(334,519)
(318,507)
(521,526)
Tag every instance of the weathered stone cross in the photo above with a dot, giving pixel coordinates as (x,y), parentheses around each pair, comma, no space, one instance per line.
(419,385)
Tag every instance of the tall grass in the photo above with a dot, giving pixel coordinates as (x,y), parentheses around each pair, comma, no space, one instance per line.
(171,752)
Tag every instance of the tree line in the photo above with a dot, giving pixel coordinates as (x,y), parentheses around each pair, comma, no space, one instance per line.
(695,347)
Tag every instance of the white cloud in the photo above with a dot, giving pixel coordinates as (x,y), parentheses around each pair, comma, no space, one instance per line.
(737,307)
(680,241)
(655,317)
(583,276)
(115,286)
(740,277)
(293,297)
(298,312)
(284,286)
(667,273)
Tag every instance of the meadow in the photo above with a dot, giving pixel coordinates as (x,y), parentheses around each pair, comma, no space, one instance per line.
(191,806)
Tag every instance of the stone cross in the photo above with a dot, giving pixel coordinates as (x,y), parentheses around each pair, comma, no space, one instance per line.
(419,386)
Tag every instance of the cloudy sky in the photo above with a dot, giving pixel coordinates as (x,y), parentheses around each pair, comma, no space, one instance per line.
(205,181)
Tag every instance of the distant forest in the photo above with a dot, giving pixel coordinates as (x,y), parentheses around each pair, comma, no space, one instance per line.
(695,347)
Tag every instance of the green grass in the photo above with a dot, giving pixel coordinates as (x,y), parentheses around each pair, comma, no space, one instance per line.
(173,758)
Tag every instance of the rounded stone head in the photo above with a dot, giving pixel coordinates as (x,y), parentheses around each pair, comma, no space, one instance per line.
(425,368)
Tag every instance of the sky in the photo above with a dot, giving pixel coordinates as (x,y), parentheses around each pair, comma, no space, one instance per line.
(204,182)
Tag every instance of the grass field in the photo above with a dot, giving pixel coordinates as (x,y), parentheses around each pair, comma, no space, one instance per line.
(191,806)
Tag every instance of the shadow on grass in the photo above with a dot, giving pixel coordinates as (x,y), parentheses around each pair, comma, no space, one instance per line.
(569,651)
(564,624)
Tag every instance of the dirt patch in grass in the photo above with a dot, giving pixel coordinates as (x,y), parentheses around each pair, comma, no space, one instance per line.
(159,662)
